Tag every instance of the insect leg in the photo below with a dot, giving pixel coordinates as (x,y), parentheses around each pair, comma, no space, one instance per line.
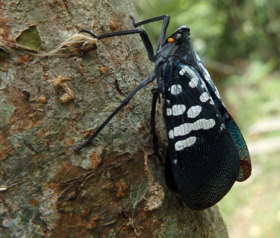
(143,34)
(148,80)
(165,23)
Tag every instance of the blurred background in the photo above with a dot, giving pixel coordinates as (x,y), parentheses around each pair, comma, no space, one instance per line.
(238,42)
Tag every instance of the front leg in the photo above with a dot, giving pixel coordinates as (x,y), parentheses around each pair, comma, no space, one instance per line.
(163,30)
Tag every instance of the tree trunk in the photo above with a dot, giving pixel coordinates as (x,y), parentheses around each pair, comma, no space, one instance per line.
(48,105)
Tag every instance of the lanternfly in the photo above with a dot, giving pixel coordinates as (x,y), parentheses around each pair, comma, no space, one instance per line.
(206,150)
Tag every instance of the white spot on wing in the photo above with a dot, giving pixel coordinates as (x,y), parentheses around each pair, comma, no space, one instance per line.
(208,79)
(204,69)
(178,109)
(176,89)
(186,128)
(194,79)
(194,111)
(203,85)
(217,93)
(223,126)
(181,144)
(182,72)
(168,111)
(171,134)
(204,97)
(193,83)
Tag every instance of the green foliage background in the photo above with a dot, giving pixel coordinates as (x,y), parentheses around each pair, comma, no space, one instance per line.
(240,35)
(222,29)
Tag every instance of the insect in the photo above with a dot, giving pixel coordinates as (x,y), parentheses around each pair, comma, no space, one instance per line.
(206,150)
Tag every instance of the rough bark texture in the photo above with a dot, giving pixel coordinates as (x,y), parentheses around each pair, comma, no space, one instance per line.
(48,105)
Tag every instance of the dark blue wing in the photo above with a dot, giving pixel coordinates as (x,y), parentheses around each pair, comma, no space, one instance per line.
(203,157)
(232,128)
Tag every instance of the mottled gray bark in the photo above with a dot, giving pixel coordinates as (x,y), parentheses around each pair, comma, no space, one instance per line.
(49,104)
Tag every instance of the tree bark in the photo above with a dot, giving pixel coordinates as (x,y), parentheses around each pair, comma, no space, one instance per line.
(48,105)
